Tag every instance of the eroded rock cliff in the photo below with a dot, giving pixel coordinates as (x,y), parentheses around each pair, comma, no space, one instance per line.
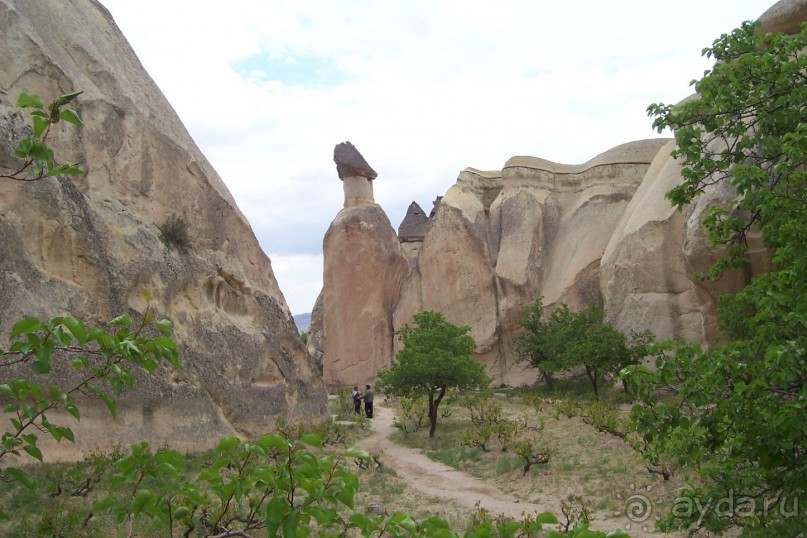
(90,246)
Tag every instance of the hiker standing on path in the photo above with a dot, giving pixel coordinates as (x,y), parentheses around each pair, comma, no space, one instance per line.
(368,401)
(356,395)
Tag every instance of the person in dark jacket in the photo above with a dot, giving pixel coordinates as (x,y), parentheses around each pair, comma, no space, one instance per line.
(368,401)
(356,395)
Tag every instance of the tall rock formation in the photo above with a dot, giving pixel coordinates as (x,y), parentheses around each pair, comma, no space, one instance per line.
(365,267)
(90,246)
(502,238)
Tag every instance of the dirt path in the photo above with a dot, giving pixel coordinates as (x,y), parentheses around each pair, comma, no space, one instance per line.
(438,480)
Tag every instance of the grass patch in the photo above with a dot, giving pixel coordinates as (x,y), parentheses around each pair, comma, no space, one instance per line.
(456,457)
(508,464)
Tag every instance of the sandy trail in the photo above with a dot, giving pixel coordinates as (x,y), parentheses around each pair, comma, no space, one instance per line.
(438,480)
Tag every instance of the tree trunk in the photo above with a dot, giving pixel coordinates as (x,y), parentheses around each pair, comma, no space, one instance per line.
(625,387)
(432,415)
(433,405)
(550,383)
(592,376)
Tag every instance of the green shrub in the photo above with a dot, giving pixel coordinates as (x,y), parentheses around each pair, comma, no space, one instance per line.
(174,233)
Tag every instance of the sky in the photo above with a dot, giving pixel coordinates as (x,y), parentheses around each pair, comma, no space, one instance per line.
(423,89)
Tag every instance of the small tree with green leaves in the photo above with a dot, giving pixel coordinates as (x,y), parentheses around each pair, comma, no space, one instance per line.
(571,339)
(436,357)
(533,343)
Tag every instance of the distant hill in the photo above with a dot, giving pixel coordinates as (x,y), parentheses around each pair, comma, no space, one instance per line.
(302,321)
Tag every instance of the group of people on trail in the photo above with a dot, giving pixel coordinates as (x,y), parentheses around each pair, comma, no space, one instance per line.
(367,397)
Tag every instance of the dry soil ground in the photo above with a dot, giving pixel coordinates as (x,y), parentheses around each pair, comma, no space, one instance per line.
(448,486)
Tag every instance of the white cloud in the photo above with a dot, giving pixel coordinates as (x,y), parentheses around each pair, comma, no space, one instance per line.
(422,88)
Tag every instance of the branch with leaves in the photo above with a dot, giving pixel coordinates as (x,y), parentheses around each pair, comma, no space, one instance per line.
(38,159)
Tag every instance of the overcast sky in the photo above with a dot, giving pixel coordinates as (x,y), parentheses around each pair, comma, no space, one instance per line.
(423,89)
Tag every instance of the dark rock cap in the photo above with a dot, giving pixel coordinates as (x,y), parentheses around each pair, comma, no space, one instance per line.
(413,227)
(350,163)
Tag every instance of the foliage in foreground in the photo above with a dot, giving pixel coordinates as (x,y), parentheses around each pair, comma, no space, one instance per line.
(95,362)
(277,485)
(436,357)
(737,413)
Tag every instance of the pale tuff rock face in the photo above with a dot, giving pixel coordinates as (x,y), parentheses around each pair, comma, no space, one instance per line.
(90,246)
(365,268)
(784,16)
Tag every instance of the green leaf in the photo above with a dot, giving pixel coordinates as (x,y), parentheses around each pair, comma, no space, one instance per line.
(66,170)
(142,498)
(311,439)
(166,468)
(276,510)
(64,99)
(76,328)
(361,521)
(40,152)
(194,494)
(70,116)
(27,325)
(358,453)
(404,521)
(19,476)
(345,497)
(274,441)
(29,100)
(164,326)
(290,525)
(104,504)
(33,451)
(40,124)
(226,444)
(79,363)
(125,320)
(546,518)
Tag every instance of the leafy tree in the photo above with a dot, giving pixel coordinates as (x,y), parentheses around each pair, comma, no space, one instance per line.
(570,339)
(436,357)
(599,347)
(533,344)
(738,412)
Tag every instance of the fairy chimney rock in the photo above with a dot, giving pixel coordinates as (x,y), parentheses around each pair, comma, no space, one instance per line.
(355,174)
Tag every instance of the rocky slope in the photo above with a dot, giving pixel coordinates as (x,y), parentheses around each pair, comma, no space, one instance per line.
(90,246)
